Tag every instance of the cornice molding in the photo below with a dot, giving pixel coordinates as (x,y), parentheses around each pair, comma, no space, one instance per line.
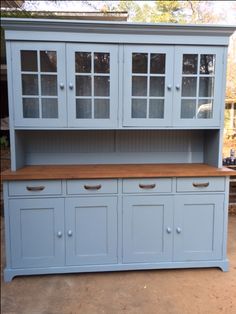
(104,27)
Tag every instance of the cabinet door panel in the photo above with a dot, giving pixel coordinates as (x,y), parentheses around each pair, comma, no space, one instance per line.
(39,84)
(147,227)
(197,86)
(148,85)
(37,232)
(92,72)
(91,227)
(198,227)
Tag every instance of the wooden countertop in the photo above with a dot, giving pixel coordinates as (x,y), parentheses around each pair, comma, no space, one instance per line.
(53,172)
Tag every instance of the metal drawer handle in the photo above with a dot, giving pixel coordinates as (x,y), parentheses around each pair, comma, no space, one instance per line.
(201,185)
(35,188)
(147,186)
(93,187)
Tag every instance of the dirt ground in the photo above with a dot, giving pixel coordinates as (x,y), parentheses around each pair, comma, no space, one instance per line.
(202,291)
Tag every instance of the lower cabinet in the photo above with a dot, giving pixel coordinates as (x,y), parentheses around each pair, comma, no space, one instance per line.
(83,232)
(91,230)
(147,227)
(36,232)
(198,227)
(190,226)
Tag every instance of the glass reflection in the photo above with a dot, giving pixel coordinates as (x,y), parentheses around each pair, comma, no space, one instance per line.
(48,61)
(188,108)
(29,60)
(158,63)
(205,109)
(207,64)
(139,62)
(139,108)
(101,62)
(190,63)
(83,62)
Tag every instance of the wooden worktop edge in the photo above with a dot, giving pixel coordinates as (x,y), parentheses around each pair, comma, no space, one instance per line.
(114,171)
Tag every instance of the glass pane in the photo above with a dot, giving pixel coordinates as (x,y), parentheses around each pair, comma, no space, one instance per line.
(158,63)
(29,60)
(48,61)
(205,109)
(101,85)
(49,85)
(101,62)
(139,108)
(83,108)
(83,85)
(188,108)
(101,109)
(190,64)
(83,62)
(207,64)
(30,108)
(49,108)
(139,62)
(30,84)
(156,108)
(206,87)
(139,86)
(189,86)
(157,86)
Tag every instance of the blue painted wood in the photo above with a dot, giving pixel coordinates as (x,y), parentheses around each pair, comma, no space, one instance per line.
(88,187)
(147,229)
(200,185)
(91,230)
(147,185)
(37,232)
(198,227)
(60,88)
(35,188)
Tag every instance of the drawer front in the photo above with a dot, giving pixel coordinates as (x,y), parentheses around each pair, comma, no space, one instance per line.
(147,185)
(91,186)
(204,184)
(35,188)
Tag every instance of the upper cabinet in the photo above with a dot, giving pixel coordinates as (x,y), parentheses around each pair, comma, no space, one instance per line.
(148,76)
(79,85)
(39,78)
(92,78)
(197,86)
(172,86)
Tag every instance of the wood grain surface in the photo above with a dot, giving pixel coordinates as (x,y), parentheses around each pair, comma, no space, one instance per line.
(115,171)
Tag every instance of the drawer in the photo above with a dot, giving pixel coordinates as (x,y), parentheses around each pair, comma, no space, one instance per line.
(204,184)
(163,185)
(35,188)
(91,186)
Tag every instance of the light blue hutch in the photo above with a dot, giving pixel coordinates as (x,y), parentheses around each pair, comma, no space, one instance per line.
(116,146)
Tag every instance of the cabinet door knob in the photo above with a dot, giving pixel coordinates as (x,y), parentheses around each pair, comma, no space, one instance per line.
(178,230)
(69,233)
(71,86)
(59,234)
(168,230)
(177,87)
(169,87)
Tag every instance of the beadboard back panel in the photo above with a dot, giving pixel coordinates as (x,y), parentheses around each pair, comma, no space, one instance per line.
(88,147)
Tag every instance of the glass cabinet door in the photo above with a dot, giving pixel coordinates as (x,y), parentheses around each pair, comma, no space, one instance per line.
(148,77)
(197,91)
(92,72)
(39,84)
